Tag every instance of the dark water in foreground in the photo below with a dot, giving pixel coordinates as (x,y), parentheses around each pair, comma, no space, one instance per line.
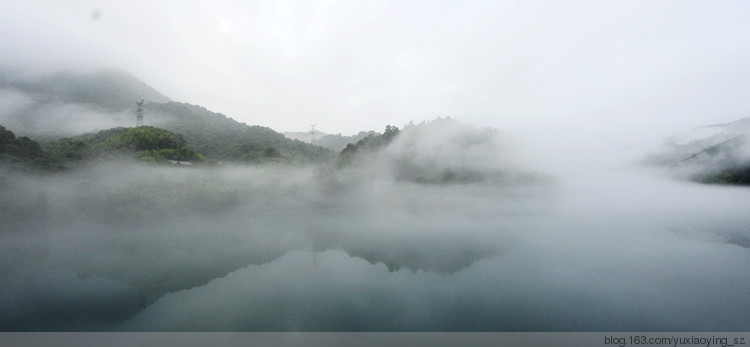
(276,250)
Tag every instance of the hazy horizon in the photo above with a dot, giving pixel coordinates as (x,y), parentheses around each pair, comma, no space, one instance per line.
(447,228)
(633,68)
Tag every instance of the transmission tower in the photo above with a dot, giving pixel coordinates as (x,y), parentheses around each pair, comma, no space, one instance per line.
(312,131)
(139,114)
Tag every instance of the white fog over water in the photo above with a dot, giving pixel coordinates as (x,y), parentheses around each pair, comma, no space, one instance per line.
(126,247)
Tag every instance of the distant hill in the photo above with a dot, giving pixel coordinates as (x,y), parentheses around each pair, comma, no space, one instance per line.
(222,138)
(67,105)
(304,136)
(335,143)
(717,153)
(369,144)
(111,90)
(443,151)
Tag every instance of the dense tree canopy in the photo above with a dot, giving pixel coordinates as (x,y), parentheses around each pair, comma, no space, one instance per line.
(370,143)
(21,150)
(145,143)
(221,138)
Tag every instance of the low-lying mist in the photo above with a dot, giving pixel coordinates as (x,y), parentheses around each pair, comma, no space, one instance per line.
(432,233)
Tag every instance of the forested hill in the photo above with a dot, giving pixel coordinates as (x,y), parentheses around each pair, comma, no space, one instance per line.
(222,138)
(110,90)
(145,143)
(442,151)
(711,154)
(142,143)
(67,105)
(18,150)
(333,142)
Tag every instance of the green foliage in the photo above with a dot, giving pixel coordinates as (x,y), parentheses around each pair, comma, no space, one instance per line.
(333,142)
(68,150)
(735,175)
(338,142)
(27,148)
(22,148)
(21,151)
(255,153)
(144,143)
(371,143)
(223,139)
(7,139)
(390,132)
(141,139)
(216,136)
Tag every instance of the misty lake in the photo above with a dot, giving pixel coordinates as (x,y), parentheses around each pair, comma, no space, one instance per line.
(374,166)
(130,247)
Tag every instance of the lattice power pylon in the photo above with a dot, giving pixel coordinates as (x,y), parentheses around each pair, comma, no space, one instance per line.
(139,114)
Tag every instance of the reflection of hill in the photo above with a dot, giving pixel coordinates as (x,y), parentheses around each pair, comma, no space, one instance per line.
(419,254)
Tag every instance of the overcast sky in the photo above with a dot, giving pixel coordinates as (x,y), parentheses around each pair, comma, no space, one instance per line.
(630,70)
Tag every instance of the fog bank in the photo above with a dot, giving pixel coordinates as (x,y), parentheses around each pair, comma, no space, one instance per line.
(123,246)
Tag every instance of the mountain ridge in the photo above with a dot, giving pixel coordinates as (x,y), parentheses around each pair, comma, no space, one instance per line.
(717,153)
(66,104)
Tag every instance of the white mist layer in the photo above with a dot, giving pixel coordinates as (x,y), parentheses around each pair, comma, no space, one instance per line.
(123,246)
(623,251)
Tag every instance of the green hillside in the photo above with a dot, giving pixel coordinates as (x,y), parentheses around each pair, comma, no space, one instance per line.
(66,105)
(223,139)
(22,150)
(334,142)
(143,143)
(371,143)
